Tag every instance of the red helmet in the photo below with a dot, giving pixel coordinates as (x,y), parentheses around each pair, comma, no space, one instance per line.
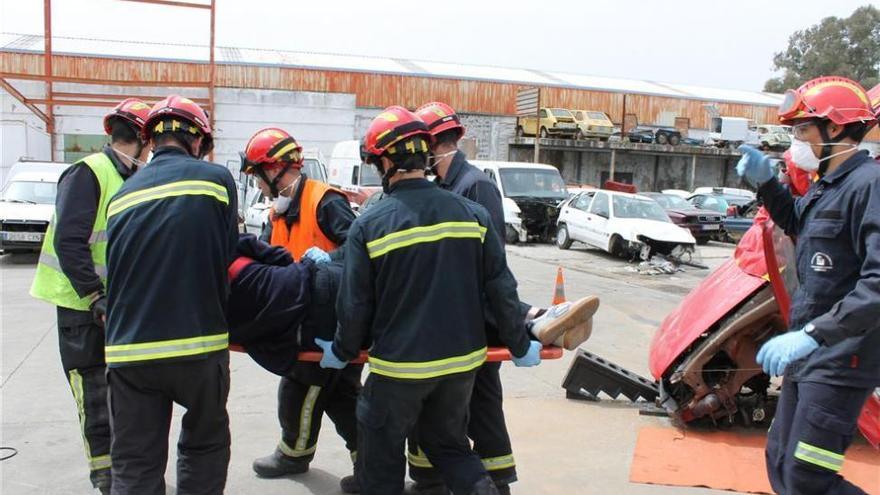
(440,117)
(874,95)
(164,118)
(394,125)
(837,99)
(800,178)
(269,148)
(132,110)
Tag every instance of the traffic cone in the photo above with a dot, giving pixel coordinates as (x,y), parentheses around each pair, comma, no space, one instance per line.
(559,292)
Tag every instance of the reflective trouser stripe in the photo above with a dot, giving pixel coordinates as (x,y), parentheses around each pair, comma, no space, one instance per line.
(498,463)
(428,369)
(76,386)
(354,457)
(300,448)
(818,456)
(127,353)
(428,233)
(419,460)
(52,262)
(180,188)
(99,236)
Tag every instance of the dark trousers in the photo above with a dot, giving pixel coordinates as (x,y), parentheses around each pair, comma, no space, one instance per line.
(387,411)
(487,427)
(813,427)
(303,399)
(141,400)
(81,344)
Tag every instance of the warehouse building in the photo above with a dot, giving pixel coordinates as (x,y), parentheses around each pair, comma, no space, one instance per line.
(325,98)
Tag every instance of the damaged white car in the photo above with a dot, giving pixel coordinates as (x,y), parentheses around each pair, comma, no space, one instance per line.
(625,225)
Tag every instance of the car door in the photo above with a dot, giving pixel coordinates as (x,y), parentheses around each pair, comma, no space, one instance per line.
(575,214)
(597,221)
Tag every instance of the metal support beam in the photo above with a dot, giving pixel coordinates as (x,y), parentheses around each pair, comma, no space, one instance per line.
(24,101)
(47,71)
(613,159)
(173,3)
(104,82)
(693,175)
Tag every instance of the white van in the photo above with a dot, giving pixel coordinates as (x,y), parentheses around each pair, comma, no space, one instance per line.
(358,180)
(531,194)
(27,203)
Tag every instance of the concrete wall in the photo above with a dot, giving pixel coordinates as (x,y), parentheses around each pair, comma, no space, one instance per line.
(20,138)
(650,172)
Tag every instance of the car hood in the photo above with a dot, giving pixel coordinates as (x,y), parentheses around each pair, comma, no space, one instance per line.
(692,212)
(653,229)
(25,211)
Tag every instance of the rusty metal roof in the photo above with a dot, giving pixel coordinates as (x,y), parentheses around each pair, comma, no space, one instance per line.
(15,42)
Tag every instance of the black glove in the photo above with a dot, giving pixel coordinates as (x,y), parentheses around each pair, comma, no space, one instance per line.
(250,246)
(99,310)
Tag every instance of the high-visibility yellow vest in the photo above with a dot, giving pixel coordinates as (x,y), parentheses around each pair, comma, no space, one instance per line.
(50,284)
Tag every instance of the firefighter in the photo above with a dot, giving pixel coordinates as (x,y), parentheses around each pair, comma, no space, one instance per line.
(571,322)
(312,217)
(831,356)
(172,232)
(417,265)
(72,272)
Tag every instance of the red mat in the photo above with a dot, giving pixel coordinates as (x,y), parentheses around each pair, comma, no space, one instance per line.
(727,461)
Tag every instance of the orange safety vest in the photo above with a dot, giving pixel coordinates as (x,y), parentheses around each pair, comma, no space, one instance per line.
(306,232)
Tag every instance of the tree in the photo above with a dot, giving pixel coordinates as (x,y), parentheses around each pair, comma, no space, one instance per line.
(834,47)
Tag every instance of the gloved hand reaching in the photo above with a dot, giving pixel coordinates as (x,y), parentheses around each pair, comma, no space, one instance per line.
(532,357)
(781,350)
(318,255)
(98,307)
(329,359)
(754,166)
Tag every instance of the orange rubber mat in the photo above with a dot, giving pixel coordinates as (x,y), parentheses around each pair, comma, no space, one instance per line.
(726,460)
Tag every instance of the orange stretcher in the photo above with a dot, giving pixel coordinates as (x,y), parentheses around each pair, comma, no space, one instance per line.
(495,354)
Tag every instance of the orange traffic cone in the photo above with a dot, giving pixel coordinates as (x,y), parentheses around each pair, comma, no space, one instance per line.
(559,292)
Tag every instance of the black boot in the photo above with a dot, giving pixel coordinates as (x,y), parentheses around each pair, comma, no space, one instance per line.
(425,489)
(485,486)
(102,481)
(350,484)
(278,464)
(503,489)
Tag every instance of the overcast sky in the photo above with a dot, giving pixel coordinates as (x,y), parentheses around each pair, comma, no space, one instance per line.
(719,44)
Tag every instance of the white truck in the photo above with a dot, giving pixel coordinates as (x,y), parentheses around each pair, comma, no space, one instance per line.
(730,132)
(27,203)
(347,172)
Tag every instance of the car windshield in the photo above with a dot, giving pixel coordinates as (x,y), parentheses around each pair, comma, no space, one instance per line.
(312,169)
(645,209)
(533,183)
(671,202)
(597,115)
(39,193)
(560,112)
(369,176)
(737,200)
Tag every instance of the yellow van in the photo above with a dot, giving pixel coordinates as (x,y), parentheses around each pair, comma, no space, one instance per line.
(555,122)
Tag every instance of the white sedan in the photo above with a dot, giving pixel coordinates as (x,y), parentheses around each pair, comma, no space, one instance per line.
(622,224)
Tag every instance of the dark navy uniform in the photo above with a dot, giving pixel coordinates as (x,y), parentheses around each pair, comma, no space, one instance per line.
(837,224)
(486,427)
(172,231)
(418,265)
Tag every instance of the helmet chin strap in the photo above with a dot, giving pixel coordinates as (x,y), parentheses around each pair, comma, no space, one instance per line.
(828,144)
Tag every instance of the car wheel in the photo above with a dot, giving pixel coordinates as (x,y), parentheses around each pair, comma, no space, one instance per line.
(543,133)
(674,140)
(662,139)
(563,240)
(519,131)
(510,235)
(702,241)
(617,246)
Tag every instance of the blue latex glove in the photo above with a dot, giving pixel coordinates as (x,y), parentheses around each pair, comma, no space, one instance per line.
(754,166)
(781,350)
(318,255)
(532,357)
(329,359)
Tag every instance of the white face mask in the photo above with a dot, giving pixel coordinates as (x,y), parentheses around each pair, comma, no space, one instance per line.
(433,159)
(135,163)
(281,204)
(802,154)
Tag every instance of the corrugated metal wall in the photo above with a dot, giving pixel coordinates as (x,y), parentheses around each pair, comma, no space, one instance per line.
(380,90)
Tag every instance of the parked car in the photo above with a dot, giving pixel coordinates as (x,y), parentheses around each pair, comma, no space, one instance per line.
(667,135)
(718,201)
(557,122)
(27,203)
(739,220)
(592,124)
(773,137)
(531,194)
(348,173)
(726,190)
(688,141)
(626,225)
(702,224)
(635,135)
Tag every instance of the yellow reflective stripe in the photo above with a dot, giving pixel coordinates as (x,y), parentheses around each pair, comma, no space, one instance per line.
(126,353)
(427,233)
(100,462)
(354,456)
(289,452)
(305,417)
(419,460)
(52,262)
(819,456)
(498,463)
(428,369)
(98,236)
(76,386)
(173,189)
